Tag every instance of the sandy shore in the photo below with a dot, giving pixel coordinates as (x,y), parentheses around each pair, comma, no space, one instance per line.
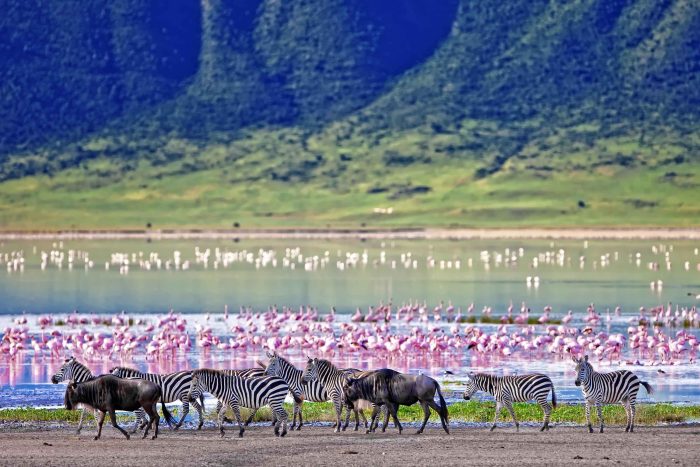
(320,446)
(457,234)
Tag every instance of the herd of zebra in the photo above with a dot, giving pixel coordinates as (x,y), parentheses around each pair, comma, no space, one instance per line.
(382,390)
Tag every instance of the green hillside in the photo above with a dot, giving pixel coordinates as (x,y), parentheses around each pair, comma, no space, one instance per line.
(330,113)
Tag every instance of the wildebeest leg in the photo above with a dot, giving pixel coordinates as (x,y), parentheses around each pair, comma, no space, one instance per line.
(426,413)
(436,407)
(100,421)
(80,423)
(495,417)
(375,413)
(185,411)
(152,412)
(347,417)
(113,417)
(393,410)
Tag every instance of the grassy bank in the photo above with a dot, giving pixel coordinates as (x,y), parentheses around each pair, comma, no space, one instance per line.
(647,414)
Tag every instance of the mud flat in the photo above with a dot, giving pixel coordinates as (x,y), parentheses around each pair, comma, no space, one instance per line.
(47,444)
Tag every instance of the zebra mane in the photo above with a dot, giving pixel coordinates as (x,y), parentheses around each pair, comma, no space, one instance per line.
(285,362)
(326,364)
(126,369)
(207,372)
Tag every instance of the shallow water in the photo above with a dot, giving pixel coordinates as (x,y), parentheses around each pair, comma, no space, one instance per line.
(344,274)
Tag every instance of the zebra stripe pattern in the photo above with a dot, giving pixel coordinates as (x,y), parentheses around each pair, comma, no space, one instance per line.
(332,380)
(608,388)
(175,386)
(509,389)
(311,391)
(235,391)
(247,373)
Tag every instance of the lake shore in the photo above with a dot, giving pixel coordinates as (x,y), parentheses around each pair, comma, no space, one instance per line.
(44,444)
(408,234)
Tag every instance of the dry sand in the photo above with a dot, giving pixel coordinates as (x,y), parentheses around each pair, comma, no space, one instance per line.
(571,446)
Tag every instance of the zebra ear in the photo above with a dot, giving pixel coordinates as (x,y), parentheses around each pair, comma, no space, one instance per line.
(574,359)
(585,357)
(269,355)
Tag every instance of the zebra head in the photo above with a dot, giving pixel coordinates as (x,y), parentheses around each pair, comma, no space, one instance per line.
(469,389)
(583,370)
(66,371)
(274,366)
(195,385)
(310,372)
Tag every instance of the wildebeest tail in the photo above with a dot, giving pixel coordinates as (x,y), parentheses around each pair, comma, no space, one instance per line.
(443,405)
(648,387)
(554,397)
(201,401)
(166,413)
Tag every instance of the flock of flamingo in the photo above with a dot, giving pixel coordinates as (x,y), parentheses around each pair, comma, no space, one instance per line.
(652,337)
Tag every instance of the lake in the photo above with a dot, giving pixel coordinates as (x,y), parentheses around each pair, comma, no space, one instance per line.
(199,279)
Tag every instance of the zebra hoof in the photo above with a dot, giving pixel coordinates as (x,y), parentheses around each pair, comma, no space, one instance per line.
(128,437)
(240,434)
(298,428)
(284,433)
(153,437)
(419,432)
(601,430)
(95,438)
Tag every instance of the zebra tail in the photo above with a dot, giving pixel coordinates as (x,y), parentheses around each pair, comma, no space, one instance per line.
(443,406)
(166,413)
(201,401)
(554,398)
(648,387)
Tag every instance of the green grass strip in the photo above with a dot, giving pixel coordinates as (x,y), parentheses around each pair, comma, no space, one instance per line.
(478,412)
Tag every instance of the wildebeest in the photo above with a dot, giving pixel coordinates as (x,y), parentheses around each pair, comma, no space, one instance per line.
(391,388)
(109,393)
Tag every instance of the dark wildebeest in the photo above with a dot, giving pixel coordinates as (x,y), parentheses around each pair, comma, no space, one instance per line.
(108,393)
(391,388)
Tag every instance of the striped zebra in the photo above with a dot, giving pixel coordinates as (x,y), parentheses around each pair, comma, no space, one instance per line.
(311,391)
(72,369)
(608,388)
(332,380)
(235,391)
(247,373)
(509,389)
(175,386)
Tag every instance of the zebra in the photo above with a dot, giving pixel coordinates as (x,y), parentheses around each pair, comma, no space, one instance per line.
(73,370)
(509,389)
(608,388)
(332,379)
(236,391)
(175,386)
(247,373)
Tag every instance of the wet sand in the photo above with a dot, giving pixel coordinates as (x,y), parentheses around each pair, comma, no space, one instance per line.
(651,233)
(320,446)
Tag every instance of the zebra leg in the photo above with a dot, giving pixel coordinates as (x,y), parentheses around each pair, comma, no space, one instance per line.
(588,416)
(100,421)
(347,417)
(200,411)
(237,414)
(113,418)
(252,415)
(221,417)
(509,406)
(338,403)
(301,422)
(281,416)
(495,417)
(599,409)
(185,411)
(633,411)
(547,409)
(426,412)
(219,406)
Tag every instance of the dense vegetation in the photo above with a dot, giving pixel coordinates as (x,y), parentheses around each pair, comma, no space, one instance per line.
(316,112)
